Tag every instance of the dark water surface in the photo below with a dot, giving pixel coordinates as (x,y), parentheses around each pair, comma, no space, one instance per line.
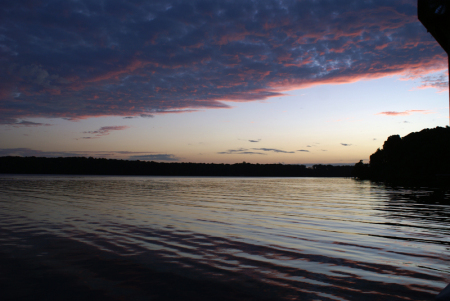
(186,238)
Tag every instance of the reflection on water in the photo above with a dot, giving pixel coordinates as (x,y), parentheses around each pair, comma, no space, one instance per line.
(285,239)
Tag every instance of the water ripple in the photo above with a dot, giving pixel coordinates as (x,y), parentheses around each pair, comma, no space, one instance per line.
(298,238)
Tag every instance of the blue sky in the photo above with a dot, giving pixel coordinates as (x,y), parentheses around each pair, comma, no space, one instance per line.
(216,81)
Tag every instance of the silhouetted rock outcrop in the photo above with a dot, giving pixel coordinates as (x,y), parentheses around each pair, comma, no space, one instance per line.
(419,157)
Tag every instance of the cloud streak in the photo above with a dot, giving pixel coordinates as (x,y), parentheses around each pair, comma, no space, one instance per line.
(24,123)
(144,156)
(142,58)
(439,82)
(28,152)
(404,113)
(104,131)
(156,157)
(259,151)
(240,151)
(273,150)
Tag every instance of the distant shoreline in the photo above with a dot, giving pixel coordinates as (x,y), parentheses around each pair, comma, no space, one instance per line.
(101,166)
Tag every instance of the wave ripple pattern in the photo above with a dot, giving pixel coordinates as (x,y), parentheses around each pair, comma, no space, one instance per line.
(270,238)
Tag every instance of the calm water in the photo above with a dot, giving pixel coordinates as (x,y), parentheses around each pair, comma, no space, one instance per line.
(281,238)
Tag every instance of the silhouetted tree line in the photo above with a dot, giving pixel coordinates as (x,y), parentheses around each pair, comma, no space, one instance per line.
(419,157)
(92,166)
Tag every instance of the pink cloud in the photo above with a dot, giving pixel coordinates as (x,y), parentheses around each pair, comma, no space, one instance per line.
(404,113)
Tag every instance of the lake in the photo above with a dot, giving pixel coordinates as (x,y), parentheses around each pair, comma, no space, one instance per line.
(213,238)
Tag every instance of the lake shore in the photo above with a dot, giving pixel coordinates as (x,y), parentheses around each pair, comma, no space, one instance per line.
(101,166)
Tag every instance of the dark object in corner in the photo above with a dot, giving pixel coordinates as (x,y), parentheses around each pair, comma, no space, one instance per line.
(444,295)
(435,16)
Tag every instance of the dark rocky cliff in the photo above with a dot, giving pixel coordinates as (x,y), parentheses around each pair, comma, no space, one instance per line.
(422,157)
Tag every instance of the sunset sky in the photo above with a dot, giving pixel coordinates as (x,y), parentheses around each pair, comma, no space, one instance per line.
(305,81)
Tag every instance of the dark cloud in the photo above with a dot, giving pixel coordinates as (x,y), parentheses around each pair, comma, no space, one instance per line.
(273,150)
(142,115)
(233,151)
(254,140)
(303,150)
(27,152)
(251,153)
(345,144)
(155,157)
(440,82)
(24,123)
(130,152)
(240,151)
(87,58)
(105,130)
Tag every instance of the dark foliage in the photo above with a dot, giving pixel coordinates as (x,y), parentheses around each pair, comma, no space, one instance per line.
(420,157)
(92,166)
